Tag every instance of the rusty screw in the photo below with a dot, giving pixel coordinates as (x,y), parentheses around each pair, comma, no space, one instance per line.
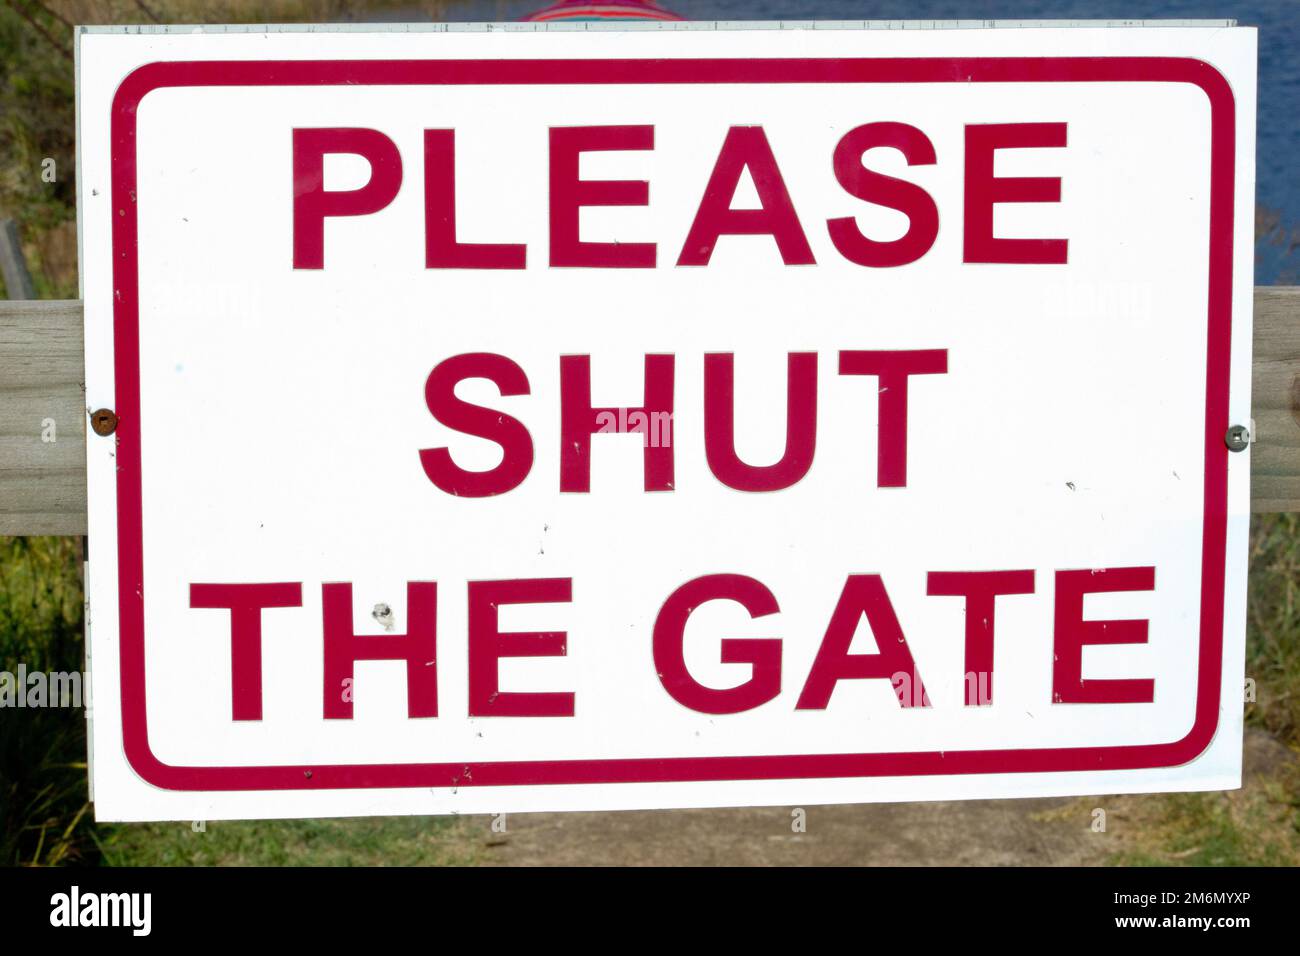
(103,422)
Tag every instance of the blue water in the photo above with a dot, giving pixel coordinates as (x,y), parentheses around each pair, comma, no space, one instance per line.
(1278,140)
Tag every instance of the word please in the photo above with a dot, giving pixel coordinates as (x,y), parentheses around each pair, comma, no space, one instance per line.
(744,149)
(863,595)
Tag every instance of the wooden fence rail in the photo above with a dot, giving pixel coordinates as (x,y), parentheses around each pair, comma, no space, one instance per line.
(43,412)
(1275,400)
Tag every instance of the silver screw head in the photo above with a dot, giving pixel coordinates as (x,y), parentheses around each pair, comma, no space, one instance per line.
(1237,438)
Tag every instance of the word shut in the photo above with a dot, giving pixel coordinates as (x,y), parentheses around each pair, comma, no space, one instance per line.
(653,420)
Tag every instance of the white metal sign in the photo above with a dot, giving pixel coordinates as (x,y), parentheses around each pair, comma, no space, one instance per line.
(534,420)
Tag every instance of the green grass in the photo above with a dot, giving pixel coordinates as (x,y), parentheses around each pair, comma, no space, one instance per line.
(1258,825)
(367,841)
(1273,629)
(44,814)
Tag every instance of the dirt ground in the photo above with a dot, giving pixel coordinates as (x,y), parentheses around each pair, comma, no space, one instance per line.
(989,833)
(1044,832)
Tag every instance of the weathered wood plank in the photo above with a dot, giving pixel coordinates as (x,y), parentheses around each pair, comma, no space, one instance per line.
(42,419)
(1275,397)
(43,483)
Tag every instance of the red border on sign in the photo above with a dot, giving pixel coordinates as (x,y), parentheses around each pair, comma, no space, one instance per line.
(141,82)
